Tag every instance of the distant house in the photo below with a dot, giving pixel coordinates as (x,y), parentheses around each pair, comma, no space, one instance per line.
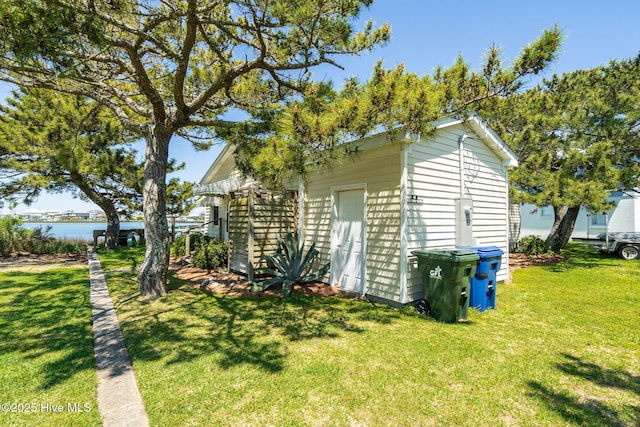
(97,215)
(372,210)
(623,217)
(33,215)
(71,215)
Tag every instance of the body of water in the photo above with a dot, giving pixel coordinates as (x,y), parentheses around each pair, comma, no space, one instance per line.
(82,230)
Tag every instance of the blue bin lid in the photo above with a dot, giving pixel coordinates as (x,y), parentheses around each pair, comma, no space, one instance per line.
(484,251)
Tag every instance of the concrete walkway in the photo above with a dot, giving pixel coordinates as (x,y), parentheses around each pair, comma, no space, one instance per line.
(119,400)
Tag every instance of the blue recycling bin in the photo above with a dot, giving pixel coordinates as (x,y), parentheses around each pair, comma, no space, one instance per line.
(482,291)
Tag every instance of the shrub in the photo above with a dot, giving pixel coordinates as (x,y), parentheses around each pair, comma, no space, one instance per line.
(532,245)
(210,254)
(290,266)
(178,246)
(15,238)
(12,235)
(56,246)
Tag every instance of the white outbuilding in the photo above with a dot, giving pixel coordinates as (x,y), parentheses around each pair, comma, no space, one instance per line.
(366,215)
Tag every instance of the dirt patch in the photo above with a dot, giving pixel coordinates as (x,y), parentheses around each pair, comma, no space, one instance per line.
(523,261)
(222,282)
(23,261)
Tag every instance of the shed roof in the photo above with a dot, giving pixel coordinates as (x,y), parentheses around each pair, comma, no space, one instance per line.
(474,121)
(223,156)
(225,184)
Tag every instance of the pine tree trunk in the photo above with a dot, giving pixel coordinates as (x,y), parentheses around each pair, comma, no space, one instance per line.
(563,225)
(107,206)
(152,276)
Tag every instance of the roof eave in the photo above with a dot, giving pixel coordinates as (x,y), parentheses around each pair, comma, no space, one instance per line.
(227,151)
(493,141)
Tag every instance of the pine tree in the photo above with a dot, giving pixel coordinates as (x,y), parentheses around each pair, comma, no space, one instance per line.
(179,67)
(50,142)
(176,68)
(311,131)
(577,137)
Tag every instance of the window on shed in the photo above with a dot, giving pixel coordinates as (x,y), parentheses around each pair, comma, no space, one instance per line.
(216,215)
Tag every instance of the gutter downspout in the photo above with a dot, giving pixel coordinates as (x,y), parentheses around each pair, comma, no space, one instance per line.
(507,253)
(405,150)
(302,196)
(463,177)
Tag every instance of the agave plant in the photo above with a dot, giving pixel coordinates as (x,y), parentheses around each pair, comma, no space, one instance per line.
(289,266)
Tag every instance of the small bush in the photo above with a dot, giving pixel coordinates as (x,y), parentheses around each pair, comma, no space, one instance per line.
(178,246)
(56,246)
(210,254)
(532,245)
(38,241)
(12,235)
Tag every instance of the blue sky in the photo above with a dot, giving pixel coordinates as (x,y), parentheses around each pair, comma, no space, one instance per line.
(427,33)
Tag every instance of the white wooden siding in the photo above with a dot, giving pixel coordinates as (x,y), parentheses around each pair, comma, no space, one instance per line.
(380,169)
(213,230)
(434,176)
(238,235)
(488,188)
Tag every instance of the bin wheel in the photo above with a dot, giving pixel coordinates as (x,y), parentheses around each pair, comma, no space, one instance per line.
(423,307)
(629,252)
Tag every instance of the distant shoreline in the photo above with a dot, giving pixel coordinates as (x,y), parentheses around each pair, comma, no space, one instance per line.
(65,221)
(83,230)
(94,221)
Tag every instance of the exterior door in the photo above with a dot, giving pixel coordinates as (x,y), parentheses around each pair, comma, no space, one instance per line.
(349,241)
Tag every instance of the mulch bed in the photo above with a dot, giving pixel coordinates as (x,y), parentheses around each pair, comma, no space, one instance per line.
(222,282)
(523,261)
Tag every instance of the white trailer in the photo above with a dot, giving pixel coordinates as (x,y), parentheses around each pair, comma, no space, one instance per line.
(625,245)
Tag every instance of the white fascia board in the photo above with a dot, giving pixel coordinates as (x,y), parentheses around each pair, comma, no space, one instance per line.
(493,141)
(490,138)
(226,152)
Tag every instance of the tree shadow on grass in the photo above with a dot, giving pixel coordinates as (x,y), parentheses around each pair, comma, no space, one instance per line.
(48,320)
(188,324)
(590,410)
(200,326)
(605,377)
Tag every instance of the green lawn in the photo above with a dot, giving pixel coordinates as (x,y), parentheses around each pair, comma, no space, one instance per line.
(562,348)
(47,367)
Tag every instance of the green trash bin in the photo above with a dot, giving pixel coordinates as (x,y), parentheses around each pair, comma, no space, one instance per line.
(447,276)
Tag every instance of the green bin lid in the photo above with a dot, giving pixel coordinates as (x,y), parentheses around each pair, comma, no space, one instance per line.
(447,254)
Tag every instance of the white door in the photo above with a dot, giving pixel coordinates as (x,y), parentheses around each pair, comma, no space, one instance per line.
(349,226)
